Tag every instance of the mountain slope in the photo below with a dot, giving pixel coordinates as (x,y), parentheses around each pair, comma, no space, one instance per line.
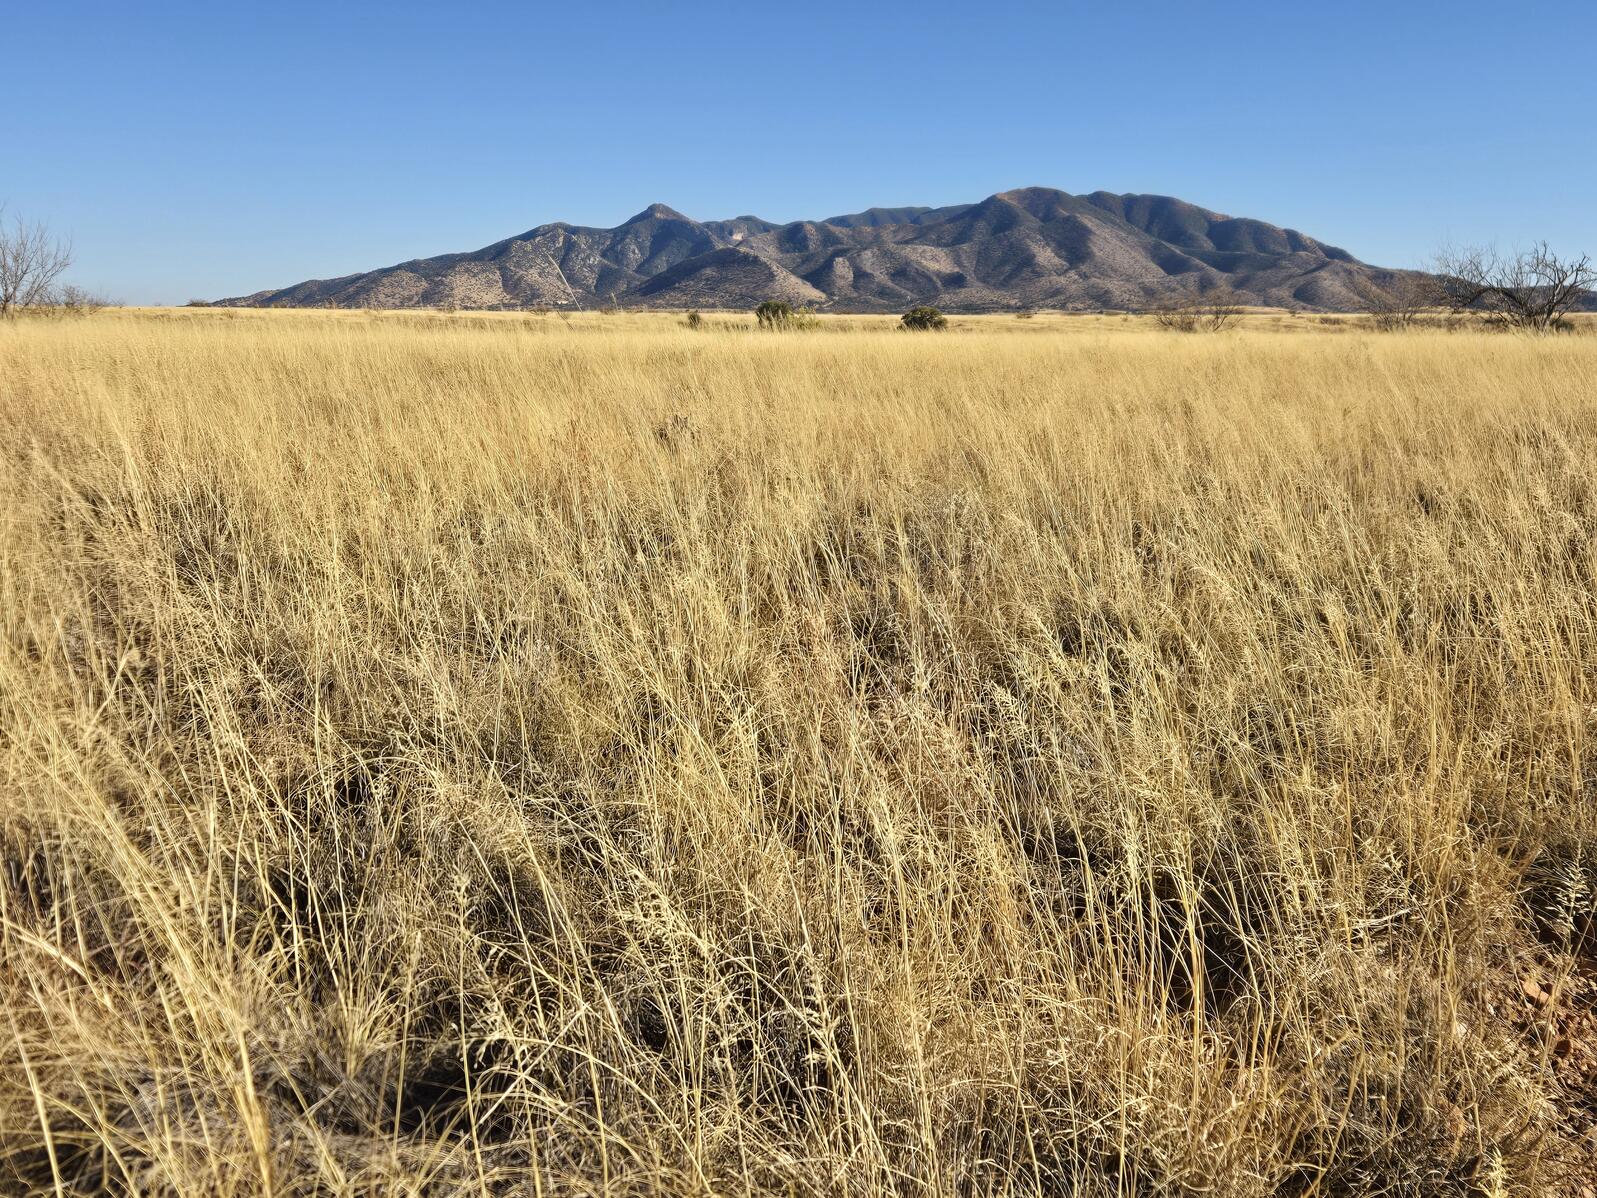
(1032,247)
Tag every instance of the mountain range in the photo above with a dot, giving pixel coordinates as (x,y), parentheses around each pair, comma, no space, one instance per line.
(1030,248)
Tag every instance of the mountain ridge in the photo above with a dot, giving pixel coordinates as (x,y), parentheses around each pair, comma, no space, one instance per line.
(1027,247)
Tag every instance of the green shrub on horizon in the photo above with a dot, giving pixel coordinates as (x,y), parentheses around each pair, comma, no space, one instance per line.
(924,318)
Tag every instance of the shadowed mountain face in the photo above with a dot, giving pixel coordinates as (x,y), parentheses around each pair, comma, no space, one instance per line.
(1034,247)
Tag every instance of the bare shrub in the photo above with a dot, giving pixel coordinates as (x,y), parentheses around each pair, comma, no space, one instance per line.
(1200,311)
(1397,302)
(71,300)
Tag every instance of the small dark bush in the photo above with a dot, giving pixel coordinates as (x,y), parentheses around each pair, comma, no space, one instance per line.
(774,314)
(924,318)
(695,321)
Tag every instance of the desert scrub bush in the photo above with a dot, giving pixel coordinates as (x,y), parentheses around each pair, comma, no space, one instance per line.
(780,316)
(694,320)
(774,314)
(924,318)
(1002,764)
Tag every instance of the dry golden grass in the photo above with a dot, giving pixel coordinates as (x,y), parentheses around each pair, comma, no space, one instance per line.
(534,756)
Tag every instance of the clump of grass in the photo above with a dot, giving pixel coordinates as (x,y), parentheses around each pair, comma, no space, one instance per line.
(441,761)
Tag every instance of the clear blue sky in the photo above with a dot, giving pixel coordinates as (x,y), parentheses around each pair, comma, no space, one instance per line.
(208,149)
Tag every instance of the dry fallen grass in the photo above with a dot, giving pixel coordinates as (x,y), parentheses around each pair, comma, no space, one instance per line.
(500,757)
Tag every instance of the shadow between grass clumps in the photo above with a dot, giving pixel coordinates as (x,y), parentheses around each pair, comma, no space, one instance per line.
(53,891)
(756,1028)
(337,895)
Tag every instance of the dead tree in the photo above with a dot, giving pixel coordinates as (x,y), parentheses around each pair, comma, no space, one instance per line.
(30,262)
(1533,289)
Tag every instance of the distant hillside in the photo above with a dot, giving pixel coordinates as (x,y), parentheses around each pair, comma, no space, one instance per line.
(1034,247)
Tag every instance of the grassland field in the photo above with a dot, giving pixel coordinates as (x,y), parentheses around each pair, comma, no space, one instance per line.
(515,754)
